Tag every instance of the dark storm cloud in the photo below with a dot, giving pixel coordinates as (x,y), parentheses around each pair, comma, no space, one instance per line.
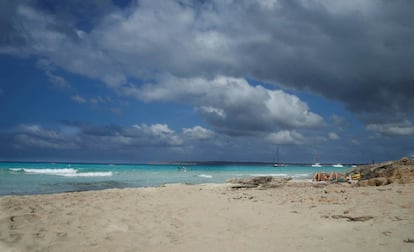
(10,34)
(360,56)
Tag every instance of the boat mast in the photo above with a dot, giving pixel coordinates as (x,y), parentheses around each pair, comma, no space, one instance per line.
(277,153)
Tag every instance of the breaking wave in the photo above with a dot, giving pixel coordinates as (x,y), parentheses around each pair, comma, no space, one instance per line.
(65,172)
(205,176)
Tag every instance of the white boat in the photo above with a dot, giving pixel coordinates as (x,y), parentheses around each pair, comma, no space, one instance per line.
(316,165)
(278,164)
(338,165)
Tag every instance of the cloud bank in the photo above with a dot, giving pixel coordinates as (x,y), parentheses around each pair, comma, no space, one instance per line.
(359,52)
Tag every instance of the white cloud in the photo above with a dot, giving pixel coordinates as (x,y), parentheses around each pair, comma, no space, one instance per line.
(404,128)
(79,99)
(291,110)
(213,111)
(355,142)
(233,105)
(55,79)
(333,136)
(198,132)
(286,137)
(158,133)
(58,81)
(155,129)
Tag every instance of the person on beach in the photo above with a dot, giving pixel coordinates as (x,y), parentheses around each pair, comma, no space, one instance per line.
(333,177)
(337,177)
(320,176)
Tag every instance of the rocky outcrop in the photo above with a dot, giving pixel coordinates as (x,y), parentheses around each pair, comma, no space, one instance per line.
(259,182)
(401,171)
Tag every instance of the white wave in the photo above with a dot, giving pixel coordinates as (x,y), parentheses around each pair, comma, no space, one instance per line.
(16,169)
(61,172)
(90,174)
(205,176)
(67,172)
(271,174)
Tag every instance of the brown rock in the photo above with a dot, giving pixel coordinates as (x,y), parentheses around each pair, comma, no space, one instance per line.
(401,171)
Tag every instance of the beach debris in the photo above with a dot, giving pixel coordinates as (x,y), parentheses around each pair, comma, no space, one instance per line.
(387,233)
(257,182)
(350,218)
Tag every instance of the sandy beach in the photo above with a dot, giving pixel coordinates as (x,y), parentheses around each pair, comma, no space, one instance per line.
(212,217)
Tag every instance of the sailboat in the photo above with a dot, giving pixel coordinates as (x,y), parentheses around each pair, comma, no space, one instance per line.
(316,164)
(278,164)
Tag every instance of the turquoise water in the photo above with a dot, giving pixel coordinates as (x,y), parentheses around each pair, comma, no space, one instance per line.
(44,178)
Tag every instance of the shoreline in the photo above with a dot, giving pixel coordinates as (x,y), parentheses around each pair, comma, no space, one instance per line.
(31,179)
(212,217)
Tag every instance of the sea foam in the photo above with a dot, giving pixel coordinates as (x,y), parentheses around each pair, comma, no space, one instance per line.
(205,176)
(66,172)
(90,174)
(16,169)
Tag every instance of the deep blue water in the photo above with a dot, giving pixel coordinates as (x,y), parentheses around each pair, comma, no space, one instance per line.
(43,178)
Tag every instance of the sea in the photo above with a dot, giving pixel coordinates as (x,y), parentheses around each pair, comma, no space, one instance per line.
(24,178)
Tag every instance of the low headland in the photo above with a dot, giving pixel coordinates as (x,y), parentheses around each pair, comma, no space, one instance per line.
(260,214)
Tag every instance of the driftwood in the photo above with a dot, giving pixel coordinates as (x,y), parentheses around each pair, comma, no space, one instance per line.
(350,218)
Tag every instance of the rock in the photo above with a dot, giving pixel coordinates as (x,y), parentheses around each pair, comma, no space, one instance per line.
(401,171)
(375,182)
(260,182)
(405,161)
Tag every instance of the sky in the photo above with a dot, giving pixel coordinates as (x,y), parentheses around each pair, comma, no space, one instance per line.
(183,80)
